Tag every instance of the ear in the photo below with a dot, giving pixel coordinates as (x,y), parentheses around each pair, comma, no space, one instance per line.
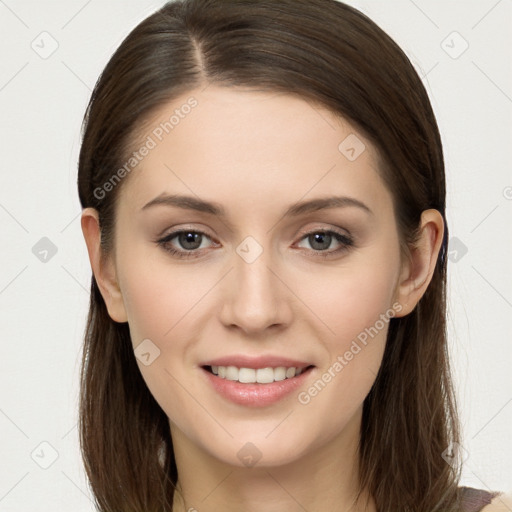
(417,272)
(102,266)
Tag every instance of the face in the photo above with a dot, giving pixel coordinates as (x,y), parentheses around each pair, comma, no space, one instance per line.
(256,233)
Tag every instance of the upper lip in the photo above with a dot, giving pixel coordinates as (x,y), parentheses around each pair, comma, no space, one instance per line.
(244,361)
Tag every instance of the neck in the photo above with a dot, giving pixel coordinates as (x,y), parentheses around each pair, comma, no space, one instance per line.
(325,478)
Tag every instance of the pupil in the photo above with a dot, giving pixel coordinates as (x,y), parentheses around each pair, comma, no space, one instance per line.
(320,241)
(190,240)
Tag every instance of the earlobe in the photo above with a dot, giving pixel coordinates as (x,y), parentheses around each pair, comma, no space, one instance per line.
(418,270)
(102,266)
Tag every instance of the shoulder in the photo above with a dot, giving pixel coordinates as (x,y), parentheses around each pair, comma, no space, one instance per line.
(500,503)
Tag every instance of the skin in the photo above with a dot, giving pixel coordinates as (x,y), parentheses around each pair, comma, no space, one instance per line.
(255,154)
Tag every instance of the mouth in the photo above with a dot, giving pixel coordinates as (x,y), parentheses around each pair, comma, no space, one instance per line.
(256,381)
(265,375)
(256,387)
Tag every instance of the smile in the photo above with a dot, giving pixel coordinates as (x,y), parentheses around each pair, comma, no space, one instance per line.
(256,375)
(256,387)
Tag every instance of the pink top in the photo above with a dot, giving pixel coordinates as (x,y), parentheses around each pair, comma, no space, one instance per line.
(474,500)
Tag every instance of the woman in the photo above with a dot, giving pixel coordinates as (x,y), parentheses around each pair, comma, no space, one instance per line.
(264,210)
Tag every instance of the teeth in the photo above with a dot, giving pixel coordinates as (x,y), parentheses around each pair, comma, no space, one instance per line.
(290,372)
(279,373)
(252,375)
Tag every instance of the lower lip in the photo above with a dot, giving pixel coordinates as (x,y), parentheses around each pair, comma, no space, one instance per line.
(256,395)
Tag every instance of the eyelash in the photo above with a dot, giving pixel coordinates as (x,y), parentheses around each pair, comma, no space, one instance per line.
(346,243)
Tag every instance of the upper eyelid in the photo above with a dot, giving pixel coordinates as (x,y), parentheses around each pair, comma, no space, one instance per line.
(338,231)
(177,231)
(180,229)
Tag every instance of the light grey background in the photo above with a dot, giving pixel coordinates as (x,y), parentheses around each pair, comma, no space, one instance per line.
(44,296)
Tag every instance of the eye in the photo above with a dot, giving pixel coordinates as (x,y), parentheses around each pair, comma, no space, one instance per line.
(321,241)
(189,240)
(184,242)
(187,243)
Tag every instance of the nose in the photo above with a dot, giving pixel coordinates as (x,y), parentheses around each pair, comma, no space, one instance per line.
(255,297)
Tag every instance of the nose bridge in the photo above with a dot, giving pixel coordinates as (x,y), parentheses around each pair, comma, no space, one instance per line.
(255,300)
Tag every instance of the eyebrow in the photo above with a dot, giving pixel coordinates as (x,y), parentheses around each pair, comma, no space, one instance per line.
(299,208)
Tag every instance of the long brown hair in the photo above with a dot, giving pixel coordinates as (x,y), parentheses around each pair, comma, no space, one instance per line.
(335,56)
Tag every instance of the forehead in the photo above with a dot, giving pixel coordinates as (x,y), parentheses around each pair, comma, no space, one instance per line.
(248,147)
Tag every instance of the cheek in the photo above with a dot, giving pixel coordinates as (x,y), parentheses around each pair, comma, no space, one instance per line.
(165,304)
(162,304)
(351,298)
(355,302)
(359,304)
(357,311)
(158,296)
